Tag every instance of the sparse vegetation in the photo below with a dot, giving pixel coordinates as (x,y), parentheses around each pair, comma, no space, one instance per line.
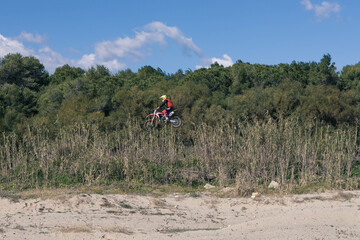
(18,227)
(74,229)
(118,229)
(181,230)
(125,205)
(195,194)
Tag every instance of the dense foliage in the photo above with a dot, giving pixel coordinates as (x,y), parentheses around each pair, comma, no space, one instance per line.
(313,90)
(31,100)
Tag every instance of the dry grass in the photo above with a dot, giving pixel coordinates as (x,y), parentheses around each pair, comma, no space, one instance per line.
(181,230)
(340,196)
(344,196)
(117,229)
(87,229)
(74,229)
(19,227)
(159,203)
(248,155)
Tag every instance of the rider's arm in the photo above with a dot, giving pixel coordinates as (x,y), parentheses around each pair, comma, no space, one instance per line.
(163,103)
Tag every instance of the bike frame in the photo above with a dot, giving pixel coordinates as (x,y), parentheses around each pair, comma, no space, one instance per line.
(154,115)
(159,116)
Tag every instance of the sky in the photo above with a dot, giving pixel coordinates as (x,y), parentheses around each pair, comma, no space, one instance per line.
(186,34)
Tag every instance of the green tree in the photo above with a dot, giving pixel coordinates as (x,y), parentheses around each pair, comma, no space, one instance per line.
(216,78)
(323,72)
(297,71)
(329,105)
(51,99)
(259,102)
(2,112)
(66,73)
(96,73)
(23,71)
(350,77)
(241,77)
(147,77)
(16,104)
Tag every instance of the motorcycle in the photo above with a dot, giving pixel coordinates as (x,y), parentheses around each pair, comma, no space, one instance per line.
(153,120)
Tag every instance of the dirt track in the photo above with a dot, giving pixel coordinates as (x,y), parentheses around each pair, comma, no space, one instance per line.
(330,215)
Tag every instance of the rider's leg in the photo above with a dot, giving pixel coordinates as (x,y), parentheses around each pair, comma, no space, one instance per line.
(164,112)
(168,110)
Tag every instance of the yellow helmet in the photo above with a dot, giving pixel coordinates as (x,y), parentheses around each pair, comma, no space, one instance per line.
(163,97)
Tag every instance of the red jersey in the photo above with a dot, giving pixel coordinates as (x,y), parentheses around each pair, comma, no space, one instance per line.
(168,103)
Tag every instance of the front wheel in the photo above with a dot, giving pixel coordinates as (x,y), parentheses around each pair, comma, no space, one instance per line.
(175,121)
(150,124)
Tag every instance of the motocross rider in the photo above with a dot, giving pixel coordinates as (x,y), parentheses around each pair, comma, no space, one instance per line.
(168,106)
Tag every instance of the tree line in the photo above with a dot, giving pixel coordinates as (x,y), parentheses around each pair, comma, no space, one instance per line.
(304,90)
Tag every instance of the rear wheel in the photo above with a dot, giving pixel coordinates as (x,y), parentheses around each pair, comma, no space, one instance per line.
(175,121)
(150,125)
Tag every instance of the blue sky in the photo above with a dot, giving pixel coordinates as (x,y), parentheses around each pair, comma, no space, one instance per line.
(175,35)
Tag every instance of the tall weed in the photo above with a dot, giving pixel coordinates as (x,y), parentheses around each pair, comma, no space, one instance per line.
(247,154)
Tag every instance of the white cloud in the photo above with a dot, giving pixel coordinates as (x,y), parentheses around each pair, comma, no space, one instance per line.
(52,59)
(132,48)
(49,58)
(175,34)
(89,60)
(126,47)
(8,45)
(111,54)
(322,11)
(308,5)
(29,37)
(114,65)
(226,61)
(46,56)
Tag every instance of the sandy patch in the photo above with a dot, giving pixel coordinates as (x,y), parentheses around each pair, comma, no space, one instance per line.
(330,215)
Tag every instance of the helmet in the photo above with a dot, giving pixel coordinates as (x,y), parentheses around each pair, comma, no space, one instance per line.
(163,97)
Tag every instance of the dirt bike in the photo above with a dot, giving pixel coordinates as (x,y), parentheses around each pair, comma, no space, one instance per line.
(154,119)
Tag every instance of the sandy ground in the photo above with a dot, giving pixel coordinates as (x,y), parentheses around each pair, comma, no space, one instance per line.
(329,215)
